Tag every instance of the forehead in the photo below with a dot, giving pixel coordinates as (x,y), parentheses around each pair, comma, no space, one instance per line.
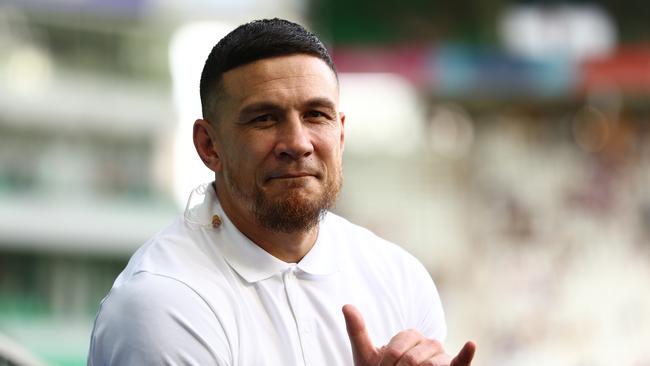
(284,78)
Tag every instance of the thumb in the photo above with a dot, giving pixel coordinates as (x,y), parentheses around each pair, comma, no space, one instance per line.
(465,356)
(363,351)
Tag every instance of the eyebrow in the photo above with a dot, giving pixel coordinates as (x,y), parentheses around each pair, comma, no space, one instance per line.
(259,107)
(266,106)
(321,102)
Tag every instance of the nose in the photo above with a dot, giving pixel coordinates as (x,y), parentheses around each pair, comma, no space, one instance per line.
(294,140)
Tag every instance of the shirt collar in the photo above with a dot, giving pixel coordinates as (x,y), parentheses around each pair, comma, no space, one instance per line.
(249,260)
(321,260)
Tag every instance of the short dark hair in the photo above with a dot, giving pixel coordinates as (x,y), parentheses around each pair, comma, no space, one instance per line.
(251,42)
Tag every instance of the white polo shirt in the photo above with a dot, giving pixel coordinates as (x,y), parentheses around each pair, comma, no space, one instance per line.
(198,295)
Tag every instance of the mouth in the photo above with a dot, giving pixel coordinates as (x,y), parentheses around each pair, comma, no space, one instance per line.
(290,176)
(301,174)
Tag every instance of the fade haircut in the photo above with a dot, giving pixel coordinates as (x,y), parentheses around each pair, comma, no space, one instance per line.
(251,42)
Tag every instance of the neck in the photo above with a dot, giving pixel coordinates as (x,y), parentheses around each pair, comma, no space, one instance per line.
(288,247)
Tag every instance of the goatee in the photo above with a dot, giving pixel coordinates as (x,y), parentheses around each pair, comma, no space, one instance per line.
(295,212)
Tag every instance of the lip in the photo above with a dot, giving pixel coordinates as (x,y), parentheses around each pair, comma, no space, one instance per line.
(288,174)
(291,176)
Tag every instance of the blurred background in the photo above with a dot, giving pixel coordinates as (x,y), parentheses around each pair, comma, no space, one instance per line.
(504,143)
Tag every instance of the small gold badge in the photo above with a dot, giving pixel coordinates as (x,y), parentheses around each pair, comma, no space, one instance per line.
(216,221)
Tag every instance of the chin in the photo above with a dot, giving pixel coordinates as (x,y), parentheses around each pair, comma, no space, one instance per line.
(298,194)
(306,185)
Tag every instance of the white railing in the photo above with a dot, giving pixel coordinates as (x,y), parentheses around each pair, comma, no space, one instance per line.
(13,354)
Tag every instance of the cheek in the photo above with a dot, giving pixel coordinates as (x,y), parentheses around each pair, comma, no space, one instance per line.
(254,152)
(331,144)
(250,154)
(331,159)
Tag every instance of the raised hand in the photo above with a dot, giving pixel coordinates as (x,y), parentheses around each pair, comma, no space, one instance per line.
(406,348)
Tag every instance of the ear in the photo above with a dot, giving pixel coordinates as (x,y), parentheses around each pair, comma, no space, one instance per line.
(206,144)
(342,118)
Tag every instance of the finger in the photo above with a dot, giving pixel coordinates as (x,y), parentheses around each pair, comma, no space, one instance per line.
(363,350)
(420,353)
(465,356)
(399,346)
(438,360)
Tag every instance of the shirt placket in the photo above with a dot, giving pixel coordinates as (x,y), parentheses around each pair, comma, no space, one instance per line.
(301,315)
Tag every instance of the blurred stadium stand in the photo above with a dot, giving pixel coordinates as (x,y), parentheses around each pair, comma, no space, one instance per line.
(518,174)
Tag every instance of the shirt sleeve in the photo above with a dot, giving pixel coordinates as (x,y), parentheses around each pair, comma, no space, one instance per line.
(157,320)
(429,317)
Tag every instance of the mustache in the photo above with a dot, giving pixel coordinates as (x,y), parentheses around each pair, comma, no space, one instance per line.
(298,170)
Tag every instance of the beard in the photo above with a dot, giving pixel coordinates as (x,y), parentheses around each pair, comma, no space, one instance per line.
(292,212)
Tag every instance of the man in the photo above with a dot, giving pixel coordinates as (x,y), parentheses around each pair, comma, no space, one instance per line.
(260,273)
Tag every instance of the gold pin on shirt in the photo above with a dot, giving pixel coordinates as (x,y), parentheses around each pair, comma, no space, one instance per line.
(216,221)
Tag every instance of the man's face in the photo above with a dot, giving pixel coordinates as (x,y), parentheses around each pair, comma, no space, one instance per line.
(279,137)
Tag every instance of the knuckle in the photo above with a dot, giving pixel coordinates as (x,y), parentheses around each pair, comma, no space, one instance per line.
(430,363)
(434,344)
(437,361)
(409,360)
(392,354)
(412,332)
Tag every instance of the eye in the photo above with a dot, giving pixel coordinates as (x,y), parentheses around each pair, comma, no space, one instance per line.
(262,118)
(262,121)
(315,114)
